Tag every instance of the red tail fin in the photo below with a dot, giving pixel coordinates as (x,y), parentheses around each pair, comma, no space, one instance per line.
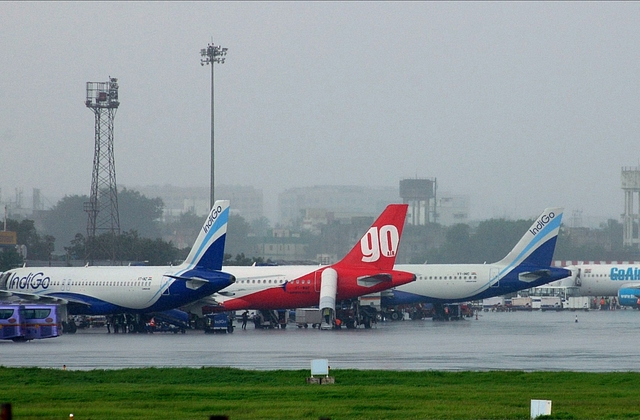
(379,246)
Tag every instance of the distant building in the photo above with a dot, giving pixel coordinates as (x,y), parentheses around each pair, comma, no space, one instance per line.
(300,206)
(452,209)
(282,245)
(427,205)
(631,217)
(246,201)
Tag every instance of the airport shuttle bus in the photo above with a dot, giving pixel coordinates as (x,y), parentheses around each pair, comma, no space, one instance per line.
(12,322)
(42,321)
(29,322)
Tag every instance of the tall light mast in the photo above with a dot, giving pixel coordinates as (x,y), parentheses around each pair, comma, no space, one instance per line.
(211,55)
(102,208)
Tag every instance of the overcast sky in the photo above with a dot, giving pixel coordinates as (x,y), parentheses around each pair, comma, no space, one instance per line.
(519,105)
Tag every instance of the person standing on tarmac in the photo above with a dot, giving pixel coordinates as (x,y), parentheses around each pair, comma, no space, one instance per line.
(245,318)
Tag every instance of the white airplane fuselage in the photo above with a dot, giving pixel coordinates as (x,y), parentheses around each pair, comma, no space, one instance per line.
(130,289)
(104,290)
(601,279)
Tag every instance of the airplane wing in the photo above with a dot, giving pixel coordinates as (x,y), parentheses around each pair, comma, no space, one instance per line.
(205,301)
(529,276)
(42,298)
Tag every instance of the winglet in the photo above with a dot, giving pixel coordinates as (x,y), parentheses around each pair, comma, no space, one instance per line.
(208,250)
(379,245)
(538,244)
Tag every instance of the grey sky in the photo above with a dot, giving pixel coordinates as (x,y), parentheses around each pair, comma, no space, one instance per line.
(519,105)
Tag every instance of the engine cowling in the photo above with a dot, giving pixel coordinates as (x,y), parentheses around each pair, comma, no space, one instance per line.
(328,289)
(629,297)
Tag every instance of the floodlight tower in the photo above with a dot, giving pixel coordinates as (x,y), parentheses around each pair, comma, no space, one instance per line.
(211,55)
(102,208)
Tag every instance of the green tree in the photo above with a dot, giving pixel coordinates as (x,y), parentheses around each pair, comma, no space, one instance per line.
(260,227)
(77,249)
(238,240)
(9,258)
(140,213)
(38,247)
(68,218)
(240,259)
(457,247)
(130,248)
(494,238)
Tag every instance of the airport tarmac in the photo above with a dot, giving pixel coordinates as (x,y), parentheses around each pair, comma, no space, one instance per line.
(600,341)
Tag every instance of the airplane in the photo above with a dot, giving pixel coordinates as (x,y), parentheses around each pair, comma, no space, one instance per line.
(621,280)
(367,268)
(527,265)
(138,290)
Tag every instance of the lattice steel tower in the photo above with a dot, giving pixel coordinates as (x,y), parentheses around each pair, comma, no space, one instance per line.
(102,208)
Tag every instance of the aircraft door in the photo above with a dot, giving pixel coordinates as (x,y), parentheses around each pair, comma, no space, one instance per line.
(578,280)
(317,280)
(493,274)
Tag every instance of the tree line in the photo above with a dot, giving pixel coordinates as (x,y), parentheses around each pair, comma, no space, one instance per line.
(142,231)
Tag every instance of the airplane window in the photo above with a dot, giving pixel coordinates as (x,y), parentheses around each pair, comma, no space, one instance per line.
(308,281)
(253,281)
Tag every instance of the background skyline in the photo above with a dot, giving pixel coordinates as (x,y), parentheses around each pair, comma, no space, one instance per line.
(520,106)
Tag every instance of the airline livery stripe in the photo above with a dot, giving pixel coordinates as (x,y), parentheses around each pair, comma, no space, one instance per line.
(220,222)
(541,236)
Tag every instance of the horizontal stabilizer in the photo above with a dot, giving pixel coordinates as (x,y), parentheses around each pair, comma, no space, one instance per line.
(370,281)
(530,276)
(191,282)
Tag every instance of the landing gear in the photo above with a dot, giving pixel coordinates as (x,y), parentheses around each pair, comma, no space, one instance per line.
(69,327)
(447,312)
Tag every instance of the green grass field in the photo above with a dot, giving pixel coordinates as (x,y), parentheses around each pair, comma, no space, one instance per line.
(183,393)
